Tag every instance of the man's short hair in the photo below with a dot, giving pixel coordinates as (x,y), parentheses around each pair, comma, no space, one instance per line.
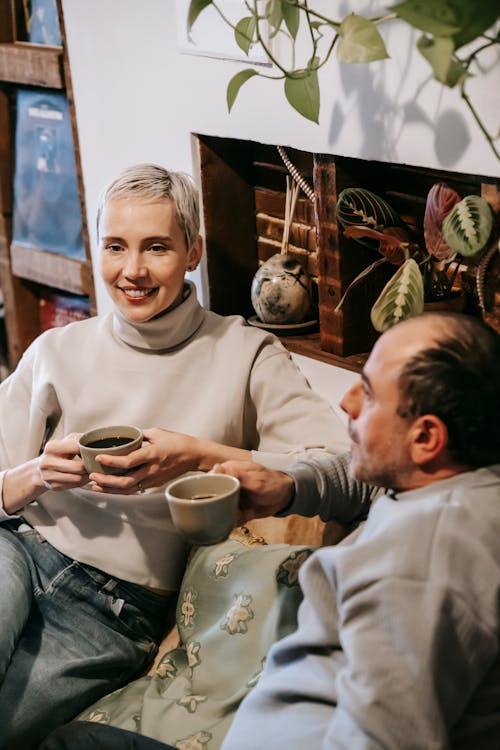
(151,182)
(457,378)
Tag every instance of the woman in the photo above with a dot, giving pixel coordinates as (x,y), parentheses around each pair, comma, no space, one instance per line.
(90,564)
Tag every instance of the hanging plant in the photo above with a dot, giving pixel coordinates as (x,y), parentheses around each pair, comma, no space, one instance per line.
(446,27)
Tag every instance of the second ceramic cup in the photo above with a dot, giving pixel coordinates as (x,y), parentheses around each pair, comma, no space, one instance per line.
(204,507)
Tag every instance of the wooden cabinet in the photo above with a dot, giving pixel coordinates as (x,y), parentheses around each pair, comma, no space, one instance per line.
(29,273)
(243,190)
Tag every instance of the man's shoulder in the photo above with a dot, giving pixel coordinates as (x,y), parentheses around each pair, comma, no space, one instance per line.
(435,534)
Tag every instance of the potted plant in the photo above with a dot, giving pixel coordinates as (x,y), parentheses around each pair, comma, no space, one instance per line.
(454,230)
(450,28)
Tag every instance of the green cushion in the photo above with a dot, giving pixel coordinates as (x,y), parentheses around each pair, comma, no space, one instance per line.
(235,601)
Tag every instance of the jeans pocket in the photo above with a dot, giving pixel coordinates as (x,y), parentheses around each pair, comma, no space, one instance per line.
(141,613)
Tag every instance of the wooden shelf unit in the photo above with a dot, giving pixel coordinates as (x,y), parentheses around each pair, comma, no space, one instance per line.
(243,189)
(25,275)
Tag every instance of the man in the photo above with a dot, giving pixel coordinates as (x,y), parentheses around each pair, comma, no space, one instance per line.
(397,644)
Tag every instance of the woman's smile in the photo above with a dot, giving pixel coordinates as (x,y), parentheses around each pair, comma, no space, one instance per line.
(138,295)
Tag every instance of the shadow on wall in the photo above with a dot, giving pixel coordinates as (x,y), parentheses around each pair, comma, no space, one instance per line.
(397,99)
(385,118)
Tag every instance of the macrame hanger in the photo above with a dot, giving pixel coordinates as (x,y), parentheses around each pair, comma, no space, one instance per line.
(296,174)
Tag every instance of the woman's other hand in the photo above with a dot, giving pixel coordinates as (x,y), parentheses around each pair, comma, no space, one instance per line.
(163,456)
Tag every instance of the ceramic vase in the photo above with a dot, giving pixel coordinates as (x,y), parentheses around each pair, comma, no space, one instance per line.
(282,291)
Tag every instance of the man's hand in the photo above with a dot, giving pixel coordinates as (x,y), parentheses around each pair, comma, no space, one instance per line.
(264,492)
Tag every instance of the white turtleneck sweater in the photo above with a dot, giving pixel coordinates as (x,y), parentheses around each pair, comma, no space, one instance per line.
(190,371)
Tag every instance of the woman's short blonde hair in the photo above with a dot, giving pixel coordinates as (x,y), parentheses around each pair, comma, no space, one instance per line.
(152,182)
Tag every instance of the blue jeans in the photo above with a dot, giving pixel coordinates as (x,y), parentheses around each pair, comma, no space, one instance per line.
(85,735)
(69,634)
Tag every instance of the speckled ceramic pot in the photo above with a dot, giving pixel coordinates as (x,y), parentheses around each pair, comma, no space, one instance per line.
(282,291)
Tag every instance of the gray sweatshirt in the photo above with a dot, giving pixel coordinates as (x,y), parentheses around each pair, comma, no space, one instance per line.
(397,645)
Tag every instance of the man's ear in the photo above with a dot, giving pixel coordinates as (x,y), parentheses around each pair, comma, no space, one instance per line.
(429,438)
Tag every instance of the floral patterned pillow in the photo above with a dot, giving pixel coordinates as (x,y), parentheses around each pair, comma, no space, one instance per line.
(235,602)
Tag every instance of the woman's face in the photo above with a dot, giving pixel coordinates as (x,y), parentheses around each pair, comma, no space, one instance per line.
(144,256)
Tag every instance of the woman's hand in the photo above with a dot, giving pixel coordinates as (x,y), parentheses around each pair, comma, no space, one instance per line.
(263,491)
(163,456)
(59,467)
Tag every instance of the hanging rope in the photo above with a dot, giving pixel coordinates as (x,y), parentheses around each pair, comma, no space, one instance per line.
(481,274)
(296,174)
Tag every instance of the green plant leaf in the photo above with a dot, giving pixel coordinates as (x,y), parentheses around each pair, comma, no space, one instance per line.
(243,33)
(195,8)
(476,18)
(432,16)
(274,15)
(236,83)
(360,207)
(467,227)
(401,298)
(461,19)
(360,41)
(303,93)
(291,14)
(439,53)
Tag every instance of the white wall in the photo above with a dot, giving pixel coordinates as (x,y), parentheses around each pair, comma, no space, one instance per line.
(138,98)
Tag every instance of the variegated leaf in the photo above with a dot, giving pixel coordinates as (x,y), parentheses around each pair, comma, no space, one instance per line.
(440,200)
(360,41)
(360,207)
(401,298)
(467,227)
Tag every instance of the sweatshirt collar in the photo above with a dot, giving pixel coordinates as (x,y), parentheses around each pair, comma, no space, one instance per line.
(464,478)
(168,331)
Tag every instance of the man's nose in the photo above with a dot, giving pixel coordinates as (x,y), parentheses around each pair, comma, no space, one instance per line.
(351,400)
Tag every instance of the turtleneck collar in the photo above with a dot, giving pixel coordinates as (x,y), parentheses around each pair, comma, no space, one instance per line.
(168,331)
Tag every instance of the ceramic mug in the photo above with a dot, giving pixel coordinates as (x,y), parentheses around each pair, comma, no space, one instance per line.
(204,507)
(116,440)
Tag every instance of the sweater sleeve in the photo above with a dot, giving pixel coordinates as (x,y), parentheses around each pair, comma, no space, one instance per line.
(324,487)
(292,422)
(27,406)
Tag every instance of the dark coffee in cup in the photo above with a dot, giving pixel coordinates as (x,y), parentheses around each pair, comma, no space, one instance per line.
(109,442)
(116,440)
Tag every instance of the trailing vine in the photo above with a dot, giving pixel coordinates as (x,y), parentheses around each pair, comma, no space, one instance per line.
(447,26)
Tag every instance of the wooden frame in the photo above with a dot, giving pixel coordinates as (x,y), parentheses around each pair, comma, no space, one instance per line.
(24,276)
(243,198)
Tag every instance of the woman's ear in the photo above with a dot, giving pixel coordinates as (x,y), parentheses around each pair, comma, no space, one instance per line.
(194,254)
(429,438)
